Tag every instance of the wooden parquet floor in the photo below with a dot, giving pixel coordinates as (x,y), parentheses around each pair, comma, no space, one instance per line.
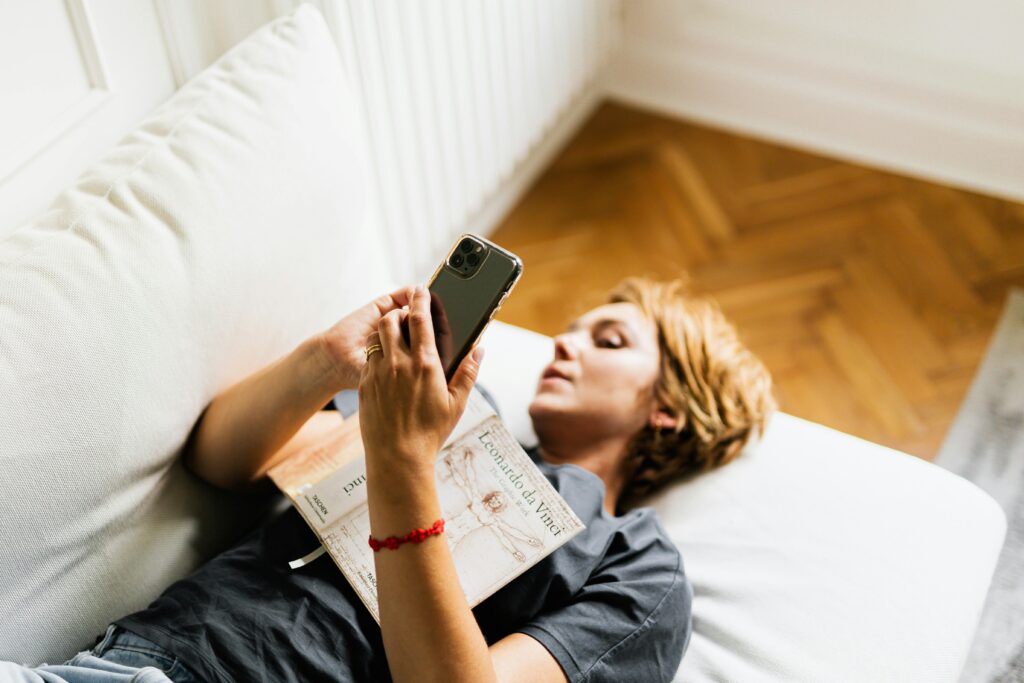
(870,296)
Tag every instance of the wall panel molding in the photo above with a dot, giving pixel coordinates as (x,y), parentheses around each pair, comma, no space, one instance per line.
(85,33)
(74,113)
(182,52)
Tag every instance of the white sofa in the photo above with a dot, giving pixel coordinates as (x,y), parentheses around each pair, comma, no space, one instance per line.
(229,226)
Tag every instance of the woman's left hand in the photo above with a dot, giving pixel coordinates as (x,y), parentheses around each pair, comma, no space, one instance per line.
(406,408)
(345,341)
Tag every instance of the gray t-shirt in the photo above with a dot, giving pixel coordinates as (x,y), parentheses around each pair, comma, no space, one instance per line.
(612,604)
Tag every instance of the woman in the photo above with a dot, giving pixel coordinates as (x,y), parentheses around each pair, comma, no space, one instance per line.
(650,387)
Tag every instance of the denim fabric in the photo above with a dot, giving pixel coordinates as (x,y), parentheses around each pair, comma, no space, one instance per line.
(119,657)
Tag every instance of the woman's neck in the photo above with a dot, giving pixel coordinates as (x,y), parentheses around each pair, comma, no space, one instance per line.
(603,459)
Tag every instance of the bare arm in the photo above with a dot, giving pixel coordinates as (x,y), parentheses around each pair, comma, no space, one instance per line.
(518,657)
(406,412)
(429,631)
(244,430)
(262,419)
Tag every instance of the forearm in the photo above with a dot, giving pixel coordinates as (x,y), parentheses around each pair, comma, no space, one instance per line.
(429,631)
(243,427)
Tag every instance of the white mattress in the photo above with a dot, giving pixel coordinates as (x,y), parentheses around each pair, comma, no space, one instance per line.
(815,556)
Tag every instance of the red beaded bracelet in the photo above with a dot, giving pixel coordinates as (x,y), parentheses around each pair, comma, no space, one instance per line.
(414,536)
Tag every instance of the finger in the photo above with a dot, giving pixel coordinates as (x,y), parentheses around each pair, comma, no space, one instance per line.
(391,335)
(464,378)
(421,327)
(396,299)
(372,340)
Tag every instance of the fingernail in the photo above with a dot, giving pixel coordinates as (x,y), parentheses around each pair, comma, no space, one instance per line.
(478,354)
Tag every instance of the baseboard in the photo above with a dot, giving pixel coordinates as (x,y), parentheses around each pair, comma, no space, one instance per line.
(910,127)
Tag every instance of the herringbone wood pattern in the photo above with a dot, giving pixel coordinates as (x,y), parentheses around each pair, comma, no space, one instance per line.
(871,297)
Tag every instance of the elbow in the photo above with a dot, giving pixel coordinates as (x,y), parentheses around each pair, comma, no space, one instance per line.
(194,464)
(201,463)
(201,467)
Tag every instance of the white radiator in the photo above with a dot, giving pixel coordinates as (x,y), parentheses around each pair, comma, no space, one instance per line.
(464,101)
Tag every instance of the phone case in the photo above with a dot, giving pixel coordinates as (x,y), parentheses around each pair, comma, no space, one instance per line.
(462,303)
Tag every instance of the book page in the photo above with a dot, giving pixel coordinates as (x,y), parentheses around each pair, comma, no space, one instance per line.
(501,513)
(342,446)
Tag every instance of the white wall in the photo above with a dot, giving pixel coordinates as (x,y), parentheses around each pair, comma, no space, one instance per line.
(933,89)
(75,76)
(197,32)
(465,101)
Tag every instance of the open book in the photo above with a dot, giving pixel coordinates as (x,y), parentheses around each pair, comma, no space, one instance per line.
(501,513)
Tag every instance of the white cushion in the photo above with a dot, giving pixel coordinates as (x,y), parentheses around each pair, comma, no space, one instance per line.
(513,360)
(222,232)
(816,555)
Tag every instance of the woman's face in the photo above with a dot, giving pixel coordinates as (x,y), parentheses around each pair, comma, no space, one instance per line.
(601,381)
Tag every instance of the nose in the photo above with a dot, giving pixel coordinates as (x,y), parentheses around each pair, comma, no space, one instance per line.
(565,347)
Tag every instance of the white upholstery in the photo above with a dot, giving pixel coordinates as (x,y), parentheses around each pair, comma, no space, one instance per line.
(223,231)
(513,360)
(815,556)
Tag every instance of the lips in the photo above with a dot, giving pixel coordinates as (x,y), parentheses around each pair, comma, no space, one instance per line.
(554,372)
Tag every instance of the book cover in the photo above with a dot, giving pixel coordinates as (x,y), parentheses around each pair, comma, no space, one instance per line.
(501,513)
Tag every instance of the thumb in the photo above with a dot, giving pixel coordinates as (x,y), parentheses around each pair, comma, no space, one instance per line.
(465,377)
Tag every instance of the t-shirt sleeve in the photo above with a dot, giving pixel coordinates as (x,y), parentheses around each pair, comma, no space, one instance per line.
(631,621)
(346,402)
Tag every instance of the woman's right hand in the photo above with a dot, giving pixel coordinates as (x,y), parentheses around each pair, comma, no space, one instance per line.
(406,407)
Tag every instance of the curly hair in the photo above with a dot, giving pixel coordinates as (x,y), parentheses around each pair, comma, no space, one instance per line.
(719,392)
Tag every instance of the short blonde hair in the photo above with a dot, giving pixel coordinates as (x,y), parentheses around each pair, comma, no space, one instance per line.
(719,392)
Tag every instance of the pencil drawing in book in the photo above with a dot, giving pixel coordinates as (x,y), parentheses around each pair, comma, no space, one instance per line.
(479,510)
(501,513)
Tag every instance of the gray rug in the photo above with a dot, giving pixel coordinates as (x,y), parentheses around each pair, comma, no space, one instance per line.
(986,446)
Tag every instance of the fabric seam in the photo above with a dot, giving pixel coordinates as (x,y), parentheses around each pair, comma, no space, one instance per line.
(78,220)
(584,675)
(143,651)
(188,646)
(536,627)
(651,617)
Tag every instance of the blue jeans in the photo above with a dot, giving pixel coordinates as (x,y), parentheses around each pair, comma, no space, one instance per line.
(120,657)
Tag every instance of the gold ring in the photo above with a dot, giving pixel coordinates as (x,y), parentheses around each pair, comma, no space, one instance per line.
(372,348)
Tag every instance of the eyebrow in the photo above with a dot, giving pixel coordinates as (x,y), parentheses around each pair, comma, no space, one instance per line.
(604,322)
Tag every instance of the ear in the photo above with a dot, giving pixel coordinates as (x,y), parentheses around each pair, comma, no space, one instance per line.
(660,417)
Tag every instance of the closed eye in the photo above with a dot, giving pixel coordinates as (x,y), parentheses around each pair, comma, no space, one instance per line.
(608,342)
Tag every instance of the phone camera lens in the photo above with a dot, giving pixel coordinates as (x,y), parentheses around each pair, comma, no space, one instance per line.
(466,246)
(472,259)
(457,260)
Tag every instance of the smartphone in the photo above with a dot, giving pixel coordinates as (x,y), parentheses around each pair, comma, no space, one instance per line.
(466,290)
